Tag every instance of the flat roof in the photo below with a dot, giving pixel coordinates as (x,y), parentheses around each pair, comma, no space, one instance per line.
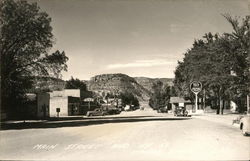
(178,100)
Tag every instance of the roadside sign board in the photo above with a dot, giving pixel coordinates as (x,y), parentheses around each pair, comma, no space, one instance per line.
(57,109)
(88,100)
(196,87)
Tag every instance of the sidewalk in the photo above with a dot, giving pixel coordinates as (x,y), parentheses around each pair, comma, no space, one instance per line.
(226,119)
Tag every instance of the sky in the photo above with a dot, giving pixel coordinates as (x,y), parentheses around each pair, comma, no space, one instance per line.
(135,37)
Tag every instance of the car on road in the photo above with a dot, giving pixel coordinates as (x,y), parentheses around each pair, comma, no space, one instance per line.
(181,111)
(245,125)
(97,112)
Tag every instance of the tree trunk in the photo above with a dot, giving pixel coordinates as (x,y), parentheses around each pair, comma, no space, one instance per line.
(218,106)
(204,100)
(248,105)
(221,106)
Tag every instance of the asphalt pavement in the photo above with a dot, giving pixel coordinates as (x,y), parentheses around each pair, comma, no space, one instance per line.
(148,136)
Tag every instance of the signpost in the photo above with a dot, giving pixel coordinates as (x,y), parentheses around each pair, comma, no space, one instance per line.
(57,110)
(88,100)
(196,87)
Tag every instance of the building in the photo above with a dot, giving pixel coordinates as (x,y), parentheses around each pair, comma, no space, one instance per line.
(58,103)
(189,106)
(180,102)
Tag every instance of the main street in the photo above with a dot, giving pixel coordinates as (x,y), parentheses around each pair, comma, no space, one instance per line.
(151,139)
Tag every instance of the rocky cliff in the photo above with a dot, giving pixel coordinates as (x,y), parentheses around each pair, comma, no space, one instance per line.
(148,83)
(117,83)
(141,87)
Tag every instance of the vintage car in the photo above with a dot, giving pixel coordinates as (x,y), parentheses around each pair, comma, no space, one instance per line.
(181,111)
(113,111)
(97,112)
(162,110)
(127,108)
(245,125)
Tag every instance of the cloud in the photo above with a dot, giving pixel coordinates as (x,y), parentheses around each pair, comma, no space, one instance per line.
(141,63)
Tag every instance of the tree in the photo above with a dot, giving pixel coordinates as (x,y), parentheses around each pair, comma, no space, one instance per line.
(75,84)
(212,60)
(26,38)
(128,99)
(206,62)
(78,84)
(237,44)
(161,95)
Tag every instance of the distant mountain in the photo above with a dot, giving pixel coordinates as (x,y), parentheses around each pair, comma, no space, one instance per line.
(148,83)
(141,87)
(117,83)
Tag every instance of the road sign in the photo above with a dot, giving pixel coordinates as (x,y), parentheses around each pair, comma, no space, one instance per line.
(88,100)
(57,110)
(196,87)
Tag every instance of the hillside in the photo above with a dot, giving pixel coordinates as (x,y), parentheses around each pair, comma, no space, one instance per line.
(148,83)
(117,83)
(141,87)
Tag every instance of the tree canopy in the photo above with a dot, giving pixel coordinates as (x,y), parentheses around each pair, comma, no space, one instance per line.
(220,62)
(26,39)
(161,95)
(128,99)
(75,83)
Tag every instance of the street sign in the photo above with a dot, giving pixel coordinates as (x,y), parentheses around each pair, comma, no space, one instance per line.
(196,87)
(88,100)
(57,110)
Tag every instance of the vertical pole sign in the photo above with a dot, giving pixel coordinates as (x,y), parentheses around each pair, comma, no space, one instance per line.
(196,87)
(88,100)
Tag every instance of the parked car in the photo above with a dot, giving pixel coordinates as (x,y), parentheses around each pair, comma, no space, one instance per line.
(97,112)
(162,110)
(181,111)
(245,125)
(113,111)
(127,108)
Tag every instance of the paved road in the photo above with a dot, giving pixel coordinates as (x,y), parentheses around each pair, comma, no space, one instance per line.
(153,139)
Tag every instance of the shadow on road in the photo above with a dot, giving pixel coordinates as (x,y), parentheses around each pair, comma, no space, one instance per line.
(85,122)
(93,118)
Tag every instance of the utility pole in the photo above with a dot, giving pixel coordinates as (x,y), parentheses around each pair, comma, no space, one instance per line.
(248,106)
(196,102)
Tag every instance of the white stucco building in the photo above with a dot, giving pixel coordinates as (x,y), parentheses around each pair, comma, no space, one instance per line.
(66,101)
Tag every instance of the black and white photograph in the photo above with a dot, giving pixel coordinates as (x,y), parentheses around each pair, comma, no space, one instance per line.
(125,80)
